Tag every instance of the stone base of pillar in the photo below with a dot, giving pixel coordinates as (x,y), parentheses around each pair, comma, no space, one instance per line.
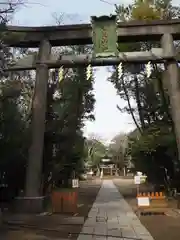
(29,204)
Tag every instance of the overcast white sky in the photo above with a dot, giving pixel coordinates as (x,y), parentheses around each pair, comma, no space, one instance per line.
(109,121)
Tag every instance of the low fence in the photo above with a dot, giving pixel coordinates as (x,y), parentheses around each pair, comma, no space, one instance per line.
(64,201)
(152,195)
(151,202)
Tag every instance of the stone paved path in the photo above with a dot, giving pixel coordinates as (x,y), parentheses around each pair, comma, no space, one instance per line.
(111,218)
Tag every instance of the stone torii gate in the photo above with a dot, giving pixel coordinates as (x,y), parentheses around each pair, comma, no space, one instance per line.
(46,37)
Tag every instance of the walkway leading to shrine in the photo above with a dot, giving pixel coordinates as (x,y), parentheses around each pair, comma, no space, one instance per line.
(111,218)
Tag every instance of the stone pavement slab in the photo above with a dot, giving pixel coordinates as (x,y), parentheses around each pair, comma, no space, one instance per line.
(111,218)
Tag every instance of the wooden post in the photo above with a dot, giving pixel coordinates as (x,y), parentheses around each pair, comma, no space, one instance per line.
(171,80)
(111,172)
(34,168)
(124,170)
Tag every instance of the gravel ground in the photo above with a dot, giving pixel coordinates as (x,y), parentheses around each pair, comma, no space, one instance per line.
(52,227)
(165,227)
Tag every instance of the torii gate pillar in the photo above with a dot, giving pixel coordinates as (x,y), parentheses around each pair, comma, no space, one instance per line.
(173,85)
(33,199)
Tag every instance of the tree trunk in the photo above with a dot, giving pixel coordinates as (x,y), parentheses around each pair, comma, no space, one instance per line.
(162,87)
(48,137)
(129,105)
(138,102)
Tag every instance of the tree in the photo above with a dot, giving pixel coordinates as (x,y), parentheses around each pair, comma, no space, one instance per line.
(63,130)
(134,87)
(147,99)
(13,142)
(15,95)
(154,151)
(118,148)
(95,151)
(64,141)
(7,9)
